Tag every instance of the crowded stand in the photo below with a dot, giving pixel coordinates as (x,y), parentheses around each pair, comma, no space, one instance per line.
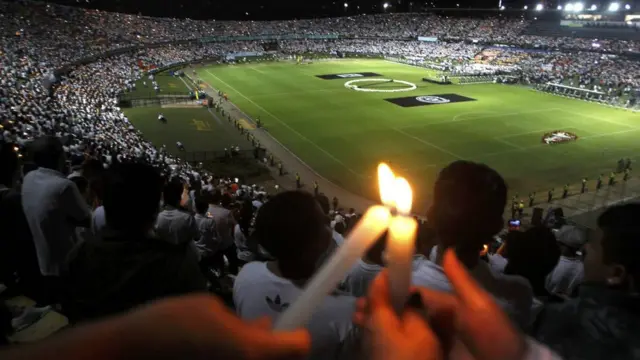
(97,221)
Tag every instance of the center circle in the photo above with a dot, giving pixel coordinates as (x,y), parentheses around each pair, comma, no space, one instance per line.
(350,85)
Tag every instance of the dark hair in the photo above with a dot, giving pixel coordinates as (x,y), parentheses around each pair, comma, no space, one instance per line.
(323,200)
(46,152)
(8,164)
(246,214)
(533,254)
(468,204)
(292,228)
(132,196)
(172,193)
(621,237)
(201,203)
(81,182)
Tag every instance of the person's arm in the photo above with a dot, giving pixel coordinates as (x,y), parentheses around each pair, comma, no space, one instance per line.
(76,207)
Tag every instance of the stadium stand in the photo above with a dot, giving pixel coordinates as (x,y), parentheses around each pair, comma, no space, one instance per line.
(96,221)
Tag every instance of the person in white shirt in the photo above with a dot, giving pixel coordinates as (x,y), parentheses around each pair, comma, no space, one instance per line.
(208,243)
(292,228)
(366,269)
(53,206)
(467,211)
(246,251)
(225,223)
(174,225)
(569,272)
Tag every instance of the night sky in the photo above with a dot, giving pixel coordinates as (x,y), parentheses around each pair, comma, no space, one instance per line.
(291,9)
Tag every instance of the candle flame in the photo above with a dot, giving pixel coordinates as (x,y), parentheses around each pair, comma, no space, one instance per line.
(386,180)
(403,195)
(394,191)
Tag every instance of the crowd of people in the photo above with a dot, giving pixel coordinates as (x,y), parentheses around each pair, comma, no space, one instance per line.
(97,221)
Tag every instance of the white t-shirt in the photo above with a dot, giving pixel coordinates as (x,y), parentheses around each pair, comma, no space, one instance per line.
(497,262)
(566,276)
(257,292)
(361,275)
(512,293)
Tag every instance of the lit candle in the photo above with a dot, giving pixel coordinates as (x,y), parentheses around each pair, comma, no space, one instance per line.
(401,245)
(373,224)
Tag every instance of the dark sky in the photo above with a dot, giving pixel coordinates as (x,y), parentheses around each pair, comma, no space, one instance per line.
(290,9)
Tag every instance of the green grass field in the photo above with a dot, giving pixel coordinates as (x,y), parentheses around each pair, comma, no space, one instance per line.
(343,134)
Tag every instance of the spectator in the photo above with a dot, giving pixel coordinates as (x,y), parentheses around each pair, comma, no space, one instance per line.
(474,195)
(533,255)
(366,269)
(247,252)
(603,322)
(568,274)
(128,266)
(175,225)
(18,259)
(225,223)
(53,207)
(292,228)
(208,241)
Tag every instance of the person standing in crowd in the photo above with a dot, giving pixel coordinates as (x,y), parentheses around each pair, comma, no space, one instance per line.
(53,207)
(292,228)
(175,225)
(208,243)
(603,322)
(467,212)
(225,223)
(247,251)
(18,259)
(569,272)
(366,269)
(533,255)
(128,266)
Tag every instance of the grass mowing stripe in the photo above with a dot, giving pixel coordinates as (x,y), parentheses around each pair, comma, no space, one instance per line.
(428,143)
(286,125)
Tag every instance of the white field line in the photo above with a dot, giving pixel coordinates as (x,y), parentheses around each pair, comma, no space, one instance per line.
(509,143)
(285,125)
(427,143)
(293,93)
(256,70)
(456,119)
(595,118)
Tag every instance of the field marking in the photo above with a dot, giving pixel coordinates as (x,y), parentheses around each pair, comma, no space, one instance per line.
(285,125)
(509,143)
(292,93)
(455,120)
(595,118)
(256,70)
(428,143)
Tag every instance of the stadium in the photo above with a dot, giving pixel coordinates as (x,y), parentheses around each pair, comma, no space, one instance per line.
(517,119)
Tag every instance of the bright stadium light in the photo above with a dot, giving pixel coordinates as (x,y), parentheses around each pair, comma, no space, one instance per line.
(526,7)
(578,7)
(627,6)
(614,6)
(502,7)
(346,5)
(593,7)
(539,7)
(568,7)
(559,7)
(385,5)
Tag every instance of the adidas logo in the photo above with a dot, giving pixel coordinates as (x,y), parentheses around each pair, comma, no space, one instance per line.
(276,305)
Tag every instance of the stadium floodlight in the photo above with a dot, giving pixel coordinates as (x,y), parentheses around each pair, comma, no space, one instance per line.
(346,5)
(539,7)
(614,6)
(578,7)
(526,7)
(385,5)
(559,7)
(628,7)
(593,7)
(568,7)
(502,7)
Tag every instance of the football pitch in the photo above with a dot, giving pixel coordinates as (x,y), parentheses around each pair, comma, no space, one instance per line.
(343,133)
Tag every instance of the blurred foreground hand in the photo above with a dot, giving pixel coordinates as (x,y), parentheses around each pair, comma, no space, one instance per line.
(191,327)
(465,325)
